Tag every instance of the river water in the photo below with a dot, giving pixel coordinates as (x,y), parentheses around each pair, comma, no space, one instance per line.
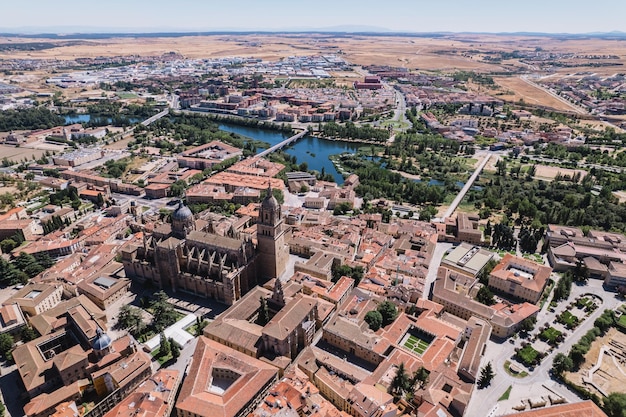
(314,151)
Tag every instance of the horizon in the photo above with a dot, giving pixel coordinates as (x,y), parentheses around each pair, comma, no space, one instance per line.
(396,16)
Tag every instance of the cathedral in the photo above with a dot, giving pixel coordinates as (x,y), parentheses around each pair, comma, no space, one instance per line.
(181,257)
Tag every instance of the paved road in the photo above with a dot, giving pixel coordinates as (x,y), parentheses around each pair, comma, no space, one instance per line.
(539,382)
(457,200)
(185,356)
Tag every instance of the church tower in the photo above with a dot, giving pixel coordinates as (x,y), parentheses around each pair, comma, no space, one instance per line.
(273,252)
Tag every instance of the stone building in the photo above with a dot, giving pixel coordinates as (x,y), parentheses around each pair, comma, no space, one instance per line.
(205,263)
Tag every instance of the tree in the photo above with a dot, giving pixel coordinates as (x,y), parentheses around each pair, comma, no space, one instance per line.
(165,347)
(27,334)
(562,363)
(388,311)
(485,296)
(28,264)
(374,319)
(339,271)
(420,376)
(427,213)
(264,315)
(7,245)
(178,188)
(527,325)
(99,200)
(563,287)
(400,381)
(200,325)
(6,344)
(129,318)
(580,272)
(483,275)
(615,405)
(163,312)
(174,348)
(486,375)
(605,321)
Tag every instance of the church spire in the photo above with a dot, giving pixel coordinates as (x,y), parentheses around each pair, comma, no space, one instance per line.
(278,296)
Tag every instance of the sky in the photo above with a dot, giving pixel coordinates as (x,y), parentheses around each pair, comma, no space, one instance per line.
(550,16)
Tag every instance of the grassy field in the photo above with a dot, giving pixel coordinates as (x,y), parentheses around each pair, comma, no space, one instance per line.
(416,344)
(124,95)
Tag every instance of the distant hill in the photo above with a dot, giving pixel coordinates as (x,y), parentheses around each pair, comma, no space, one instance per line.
(106,33)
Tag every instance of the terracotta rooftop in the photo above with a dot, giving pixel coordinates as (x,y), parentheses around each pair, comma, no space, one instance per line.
(151,397)
(582,409)
(526,273)
(200,396)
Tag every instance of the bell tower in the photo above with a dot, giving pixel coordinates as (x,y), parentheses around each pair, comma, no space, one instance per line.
(273,252)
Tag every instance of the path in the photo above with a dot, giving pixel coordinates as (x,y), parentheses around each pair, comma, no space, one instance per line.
(457,200)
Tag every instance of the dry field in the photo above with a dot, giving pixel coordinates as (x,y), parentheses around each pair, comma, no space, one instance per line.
(17,154)
(621,196)
(446,52)
(611,377)
(549,172)
(529,93)
(120,144)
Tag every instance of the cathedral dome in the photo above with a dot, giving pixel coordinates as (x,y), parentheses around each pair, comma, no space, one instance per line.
(102,341)
(182,213)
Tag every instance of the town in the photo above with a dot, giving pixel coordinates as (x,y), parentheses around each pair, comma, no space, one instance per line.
(311,236)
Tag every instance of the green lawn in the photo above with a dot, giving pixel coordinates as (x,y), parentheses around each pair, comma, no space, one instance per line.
(506,394)
(507,369)
(416,344)
(160,358)
(622,320)
(550,335)
(527,355)
(568,319)
(125,95)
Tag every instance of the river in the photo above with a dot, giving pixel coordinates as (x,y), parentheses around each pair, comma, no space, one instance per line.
(314,151)
(86,118)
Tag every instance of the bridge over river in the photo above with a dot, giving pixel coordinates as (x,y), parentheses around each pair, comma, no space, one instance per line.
(282,144)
